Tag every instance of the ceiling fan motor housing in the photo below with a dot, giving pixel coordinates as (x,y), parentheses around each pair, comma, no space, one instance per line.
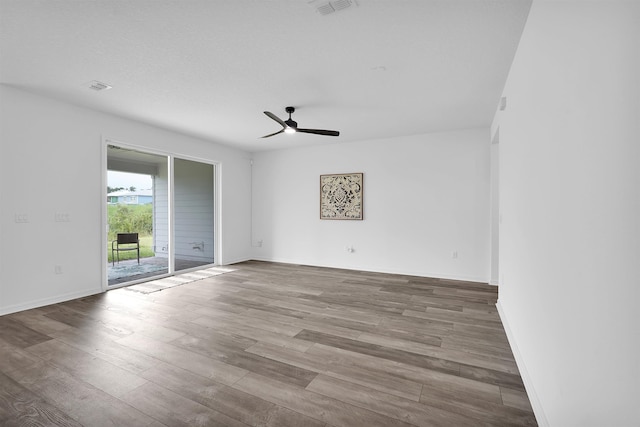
(291,126)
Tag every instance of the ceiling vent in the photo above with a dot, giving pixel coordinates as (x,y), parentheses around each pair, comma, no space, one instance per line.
(98,86)
(324,7)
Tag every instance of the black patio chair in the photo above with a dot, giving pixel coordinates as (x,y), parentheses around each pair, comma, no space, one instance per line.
(125,242)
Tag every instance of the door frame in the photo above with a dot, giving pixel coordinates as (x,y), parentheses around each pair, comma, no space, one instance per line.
(106,141)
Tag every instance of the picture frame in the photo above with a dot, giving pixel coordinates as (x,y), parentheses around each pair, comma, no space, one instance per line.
(341,196)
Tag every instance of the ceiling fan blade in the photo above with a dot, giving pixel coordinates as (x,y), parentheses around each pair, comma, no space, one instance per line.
(320,132)
(272,134)
(274,117)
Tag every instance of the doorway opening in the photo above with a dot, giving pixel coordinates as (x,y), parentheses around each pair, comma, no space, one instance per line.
(166,205)
(137,190)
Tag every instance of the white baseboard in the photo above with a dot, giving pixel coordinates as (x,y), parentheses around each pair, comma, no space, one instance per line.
(235,261)
(434,275)
(48,301)
(526,379)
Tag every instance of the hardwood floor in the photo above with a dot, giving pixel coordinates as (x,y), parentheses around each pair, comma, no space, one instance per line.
(266,345)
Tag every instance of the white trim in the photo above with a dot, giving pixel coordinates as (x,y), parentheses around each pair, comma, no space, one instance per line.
(217,213)
(48,301)
(526,379)
(433,275)
(171,216)
(251,242)
(104,281)
(134,147)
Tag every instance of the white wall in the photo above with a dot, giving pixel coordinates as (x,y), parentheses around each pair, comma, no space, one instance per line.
(51,163)
(424,197)
(569,199)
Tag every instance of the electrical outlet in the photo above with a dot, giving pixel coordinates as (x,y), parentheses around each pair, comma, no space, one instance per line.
(57,269)
(259,243)
(21,218)
(455,254)
(61,217)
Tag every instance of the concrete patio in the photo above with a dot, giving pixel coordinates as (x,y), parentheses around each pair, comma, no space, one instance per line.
(129,270)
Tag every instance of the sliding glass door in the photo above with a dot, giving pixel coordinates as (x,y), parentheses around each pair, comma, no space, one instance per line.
(168,202)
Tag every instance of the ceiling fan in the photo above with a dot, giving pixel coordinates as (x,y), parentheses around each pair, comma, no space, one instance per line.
(289,126)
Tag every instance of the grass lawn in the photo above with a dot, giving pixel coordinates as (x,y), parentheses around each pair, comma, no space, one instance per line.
(146,250)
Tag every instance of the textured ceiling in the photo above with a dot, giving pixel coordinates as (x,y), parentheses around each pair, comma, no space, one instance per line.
(378,69)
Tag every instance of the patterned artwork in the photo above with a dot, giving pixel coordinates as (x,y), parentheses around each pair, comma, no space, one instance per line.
(341,196)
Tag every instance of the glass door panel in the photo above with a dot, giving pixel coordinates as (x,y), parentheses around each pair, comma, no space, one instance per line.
(193,213)
(137,203)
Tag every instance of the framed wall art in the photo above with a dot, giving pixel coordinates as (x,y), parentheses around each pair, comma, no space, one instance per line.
(341,196)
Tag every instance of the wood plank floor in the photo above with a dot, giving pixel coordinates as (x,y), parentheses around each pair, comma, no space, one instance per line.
(266,345)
